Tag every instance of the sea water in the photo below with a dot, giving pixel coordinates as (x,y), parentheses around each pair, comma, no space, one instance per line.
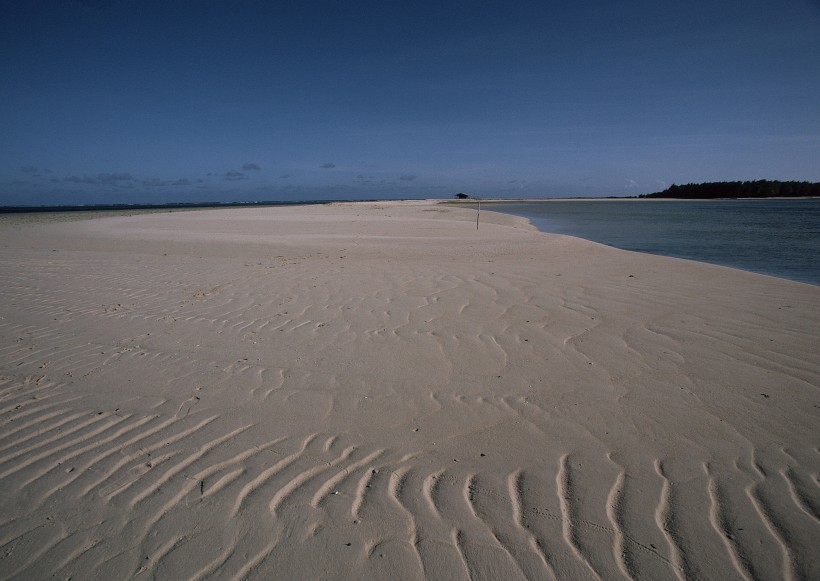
(775,237)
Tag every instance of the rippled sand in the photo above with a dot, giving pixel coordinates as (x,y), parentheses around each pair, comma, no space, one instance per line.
(379,390)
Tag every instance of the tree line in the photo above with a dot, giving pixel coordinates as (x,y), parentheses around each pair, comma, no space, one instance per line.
(750,189)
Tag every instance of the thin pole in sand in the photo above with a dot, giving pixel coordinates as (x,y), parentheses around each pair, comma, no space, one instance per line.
(478,213)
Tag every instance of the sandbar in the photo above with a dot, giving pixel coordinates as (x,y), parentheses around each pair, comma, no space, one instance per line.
(383,390)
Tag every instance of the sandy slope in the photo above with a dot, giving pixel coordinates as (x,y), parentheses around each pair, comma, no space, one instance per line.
(380,391)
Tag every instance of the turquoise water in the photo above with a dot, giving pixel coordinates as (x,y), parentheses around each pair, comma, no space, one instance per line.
(775,237)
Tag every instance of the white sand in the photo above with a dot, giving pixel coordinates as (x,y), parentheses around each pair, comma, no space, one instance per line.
(379,391)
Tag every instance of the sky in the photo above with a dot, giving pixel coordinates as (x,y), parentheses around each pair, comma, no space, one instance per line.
(139,101)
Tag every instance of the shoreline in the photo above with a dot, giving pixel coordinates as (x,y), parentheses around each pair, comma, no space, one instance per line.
(46,217)
(379,390)
(698,237)
(617,199)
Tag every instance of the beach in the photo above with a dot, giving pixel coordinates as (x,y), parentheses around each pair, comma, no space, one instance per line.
(382,390)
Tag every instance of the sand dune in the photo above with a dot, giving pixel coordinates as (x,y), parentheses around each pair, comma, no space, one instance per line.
(381,391)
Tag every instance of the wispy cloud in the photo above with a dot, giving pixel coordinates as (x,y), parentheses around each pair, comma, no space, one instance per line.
(407,178)
(251,167)
(158,183)
(102,179)
(328,165)
(234,175)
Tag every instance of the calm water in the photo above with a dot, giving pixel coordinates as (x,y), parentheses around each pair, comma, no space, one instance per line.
(775,237)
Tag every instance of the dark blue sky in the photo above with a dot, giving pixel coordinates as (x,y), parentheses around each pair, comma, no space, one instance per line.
(142,101)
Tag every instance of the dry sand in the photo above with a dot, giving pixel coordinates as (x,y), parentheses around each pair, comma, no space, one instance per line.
(380,391)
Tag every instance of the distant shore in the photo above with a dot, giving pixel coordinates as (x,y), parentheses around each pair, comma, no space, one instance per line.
(611,199)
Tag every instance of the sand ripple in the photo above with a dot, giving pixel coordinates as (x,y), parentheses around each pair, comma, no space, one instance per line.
(188,405)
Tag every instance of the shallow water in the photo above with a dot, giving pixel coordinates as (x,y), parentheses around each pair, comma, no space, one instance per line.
(775,237)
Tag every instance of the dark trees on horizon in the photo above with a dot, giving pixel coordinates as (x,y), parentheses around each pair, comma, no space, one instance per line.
(750,189)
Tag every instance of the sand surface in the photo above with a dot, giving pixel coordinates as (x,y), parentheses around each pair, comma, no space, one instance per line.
(381,391)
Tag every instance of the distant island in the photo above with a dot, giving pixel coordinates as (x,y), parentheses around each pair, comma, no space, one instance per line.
(755,189)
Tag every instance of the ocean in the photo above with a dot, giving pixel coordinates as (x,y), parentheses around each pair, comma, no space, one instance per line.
(775,237)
